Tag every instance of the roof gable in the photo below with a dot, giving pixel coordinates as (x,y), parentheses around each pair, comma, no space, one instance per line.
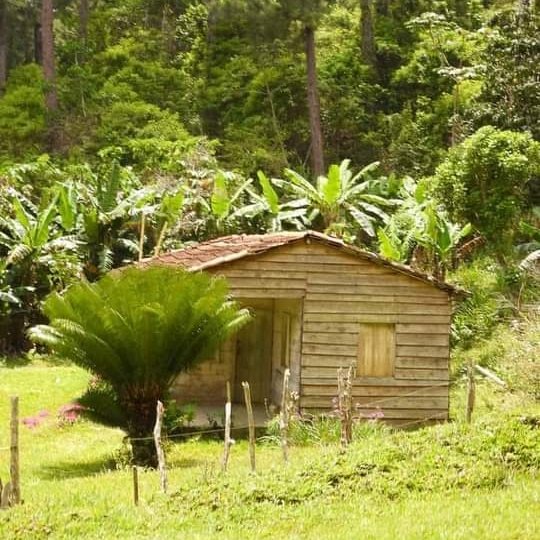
(230,248)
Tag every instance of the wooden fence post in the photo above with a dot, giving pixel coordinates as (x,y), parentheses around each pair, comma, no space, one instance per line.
(141,237)
(14,464)
(345,384)
(251,424)
(228,441)
(284,415)
(135,485)
(471,392)
(5,496)
(159,449)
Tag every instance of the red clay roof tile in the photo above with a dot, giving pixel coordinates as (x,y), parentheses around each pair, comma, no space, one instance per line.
(228,248)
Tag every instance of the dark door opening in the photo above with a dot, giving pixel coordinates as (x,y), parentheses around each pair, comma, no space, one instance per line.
(254,356)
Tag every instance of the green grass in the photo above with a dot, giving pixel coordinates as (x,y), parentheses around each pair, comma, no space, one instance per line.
(448,481)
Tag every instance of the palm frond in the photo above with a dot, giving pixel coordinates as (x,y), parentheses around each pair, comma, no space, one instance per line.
(139,329)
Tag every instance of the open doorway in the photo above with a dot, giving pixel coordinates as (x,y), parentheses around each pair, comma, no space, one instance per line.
(254,354)
(267,346)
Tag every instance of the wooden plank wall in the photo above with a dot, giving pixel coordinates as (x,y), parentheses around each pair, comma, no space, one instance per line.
(340,292)
(206,383)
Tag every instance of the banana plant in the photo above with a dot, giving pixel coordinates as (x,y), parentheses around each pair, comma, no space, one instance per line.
(108,221)
(392,246)
(421,231)
(399,237)
(274,213)
(170,210)
(225,203)
(440,237)
(341,199)
(38,258)
(30,238)
(8,295)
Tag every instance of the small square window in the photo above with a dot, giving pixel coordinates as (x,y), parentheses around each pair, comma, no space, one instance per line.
(376,350)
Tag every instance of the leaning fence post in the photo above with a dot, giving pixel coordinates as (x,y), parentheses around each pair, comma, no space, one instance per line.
(5,496)
(471,392)
(14,464)
(228,441)
(251,424)
(284,415)
(159,449)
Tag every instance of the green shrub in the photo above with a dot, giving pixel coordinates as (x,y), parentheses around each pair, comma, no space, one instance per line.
(477,315)
(389,463)
(486,179)
(22,112)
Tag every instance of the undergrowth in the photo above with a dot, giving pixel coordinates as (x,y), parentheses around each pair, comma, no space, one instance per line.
(387,463)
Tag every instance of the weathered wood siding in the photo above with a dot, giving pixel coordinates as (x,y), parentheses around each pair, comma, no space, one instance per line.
(341,292)
(207,382)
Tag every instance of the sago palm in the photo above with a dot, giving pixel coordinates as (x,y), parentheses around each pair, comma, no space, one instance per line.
(137,330)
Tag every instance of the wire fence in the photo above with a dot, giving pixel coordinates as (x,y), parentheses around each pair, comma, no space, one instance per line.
(370,405)
(199,432)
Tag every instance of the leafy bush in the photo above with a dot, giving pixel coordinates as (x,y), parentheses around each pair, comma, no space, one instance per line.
(477,315)
(485,180)
(22,112)
(512,352)
(498,293)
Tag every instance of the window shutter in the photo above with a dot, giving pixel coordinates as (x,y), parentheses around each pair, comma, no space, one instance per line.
(376,350)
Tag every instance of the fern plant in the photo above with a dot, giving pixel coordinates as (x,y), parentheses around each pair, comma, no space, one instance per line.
(137,330)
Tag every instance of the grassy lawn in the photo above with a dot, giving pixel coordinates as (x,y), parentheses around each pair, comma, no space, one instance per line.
(441,482)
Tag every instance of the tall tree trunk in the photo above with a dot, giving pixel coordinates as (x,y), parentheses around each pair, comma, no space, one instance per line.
(314,106)
(382,7)
(3,44)
(47,45)
(83,22)
(367,37)
(168,31)
(38,49)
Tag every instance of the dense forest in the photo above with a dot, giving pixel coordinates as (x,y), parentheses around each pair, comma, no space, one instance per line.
(411,128)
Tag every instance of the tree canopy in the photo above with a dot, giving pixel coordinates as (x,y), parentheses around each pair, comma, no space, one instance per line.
(128,128)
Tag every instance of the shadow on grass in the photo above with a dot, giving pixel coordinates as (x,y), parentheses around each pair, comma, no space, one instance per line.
(68,469)
(14,361)
(22,360)
(64,470)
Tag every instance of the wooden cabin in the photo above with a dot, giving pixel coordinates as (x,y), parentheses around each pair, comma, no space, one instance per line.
(320,304)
